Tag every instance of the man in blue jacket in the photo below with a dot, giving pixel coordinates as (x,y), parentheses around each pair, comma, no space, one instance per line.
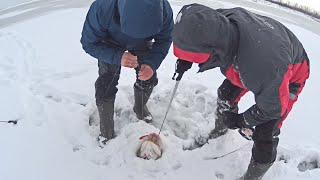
(129,33)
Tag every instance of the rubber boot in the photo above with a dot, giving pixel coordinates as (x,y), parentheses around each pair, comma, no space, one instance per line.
(106,113)
(141,97)
(256,171)
(220,129)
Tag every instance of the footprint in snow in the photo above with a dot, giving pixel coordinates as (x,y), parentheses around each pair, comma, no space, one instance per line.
(309,165)
(219,175)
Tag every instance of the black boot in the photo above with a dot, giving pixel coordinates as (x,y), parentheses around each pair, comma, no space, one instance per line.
(106,112)
(255,171)
(141,97)
(221,129)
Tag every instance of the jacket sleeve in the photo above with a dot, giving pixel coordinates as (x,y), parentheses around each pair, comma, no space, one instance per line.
(95,31)
(271,96)
(162,40)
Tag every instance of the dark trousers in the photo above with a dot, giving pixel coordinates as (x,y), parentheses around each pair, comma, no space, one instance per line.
(109,74)
(265,136)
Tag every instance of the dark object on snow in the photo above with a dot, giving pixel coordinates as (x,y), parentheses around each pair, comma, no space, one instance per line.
(181,67)
(10,121)
(141,97)
(256,170)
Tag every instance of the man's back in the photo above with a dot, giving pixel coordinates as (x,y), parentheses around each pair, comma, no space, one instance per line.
(265,36)
(121,24)
(114,26)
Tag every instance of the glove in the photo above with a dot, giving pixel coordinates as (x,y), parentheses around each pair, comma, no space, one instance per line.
(233,120)
(181,67)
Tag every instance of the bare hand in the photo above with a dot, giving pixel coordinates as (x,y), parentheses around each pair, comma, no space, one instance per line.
(129,60)
(145,73)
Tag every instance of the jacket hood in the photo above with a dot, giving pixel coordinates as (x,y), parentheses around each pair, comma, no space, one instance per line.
(202,35)
(142,18)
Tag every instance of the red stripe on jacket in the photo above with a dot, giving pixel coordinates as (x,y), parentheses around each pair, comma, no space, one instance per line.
(297,73)
(300,73)
(234,76)
(190,56)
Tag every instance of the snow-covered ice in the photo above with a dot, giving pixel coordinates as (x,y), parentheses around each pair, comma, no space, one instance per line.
(47,82)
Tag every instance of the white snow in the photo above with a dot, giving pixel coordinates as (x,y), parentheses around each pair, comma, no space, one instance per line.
(47,82)
(12,3)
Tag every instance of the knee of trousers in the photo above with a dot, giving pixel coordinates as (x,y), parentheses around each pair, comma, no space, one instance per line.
(106,87)
(228,91)
(265,143)
(265,152)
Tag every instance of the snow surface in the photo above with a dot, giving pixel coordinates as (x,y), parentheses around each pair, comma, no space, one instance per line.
(47,83)
(10,3)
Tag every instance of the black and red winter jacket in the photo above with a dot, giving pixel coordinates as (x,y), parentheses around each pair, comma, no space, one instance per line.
(254,52)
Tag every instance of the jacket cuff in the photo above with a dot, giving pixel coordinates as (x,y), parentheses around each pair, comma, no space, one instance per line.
(151,65)
(117,57)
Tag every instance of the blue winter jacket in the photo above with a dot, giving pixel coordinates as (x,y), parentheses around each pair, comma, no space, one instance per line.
(114,26)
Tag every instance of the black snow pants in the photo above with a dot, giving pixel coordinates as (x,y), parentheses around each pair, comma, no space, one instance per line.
(109,74)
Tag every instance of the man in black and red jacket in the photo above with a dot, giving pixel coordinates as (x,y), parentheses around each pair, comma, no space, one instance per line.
(255,53)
